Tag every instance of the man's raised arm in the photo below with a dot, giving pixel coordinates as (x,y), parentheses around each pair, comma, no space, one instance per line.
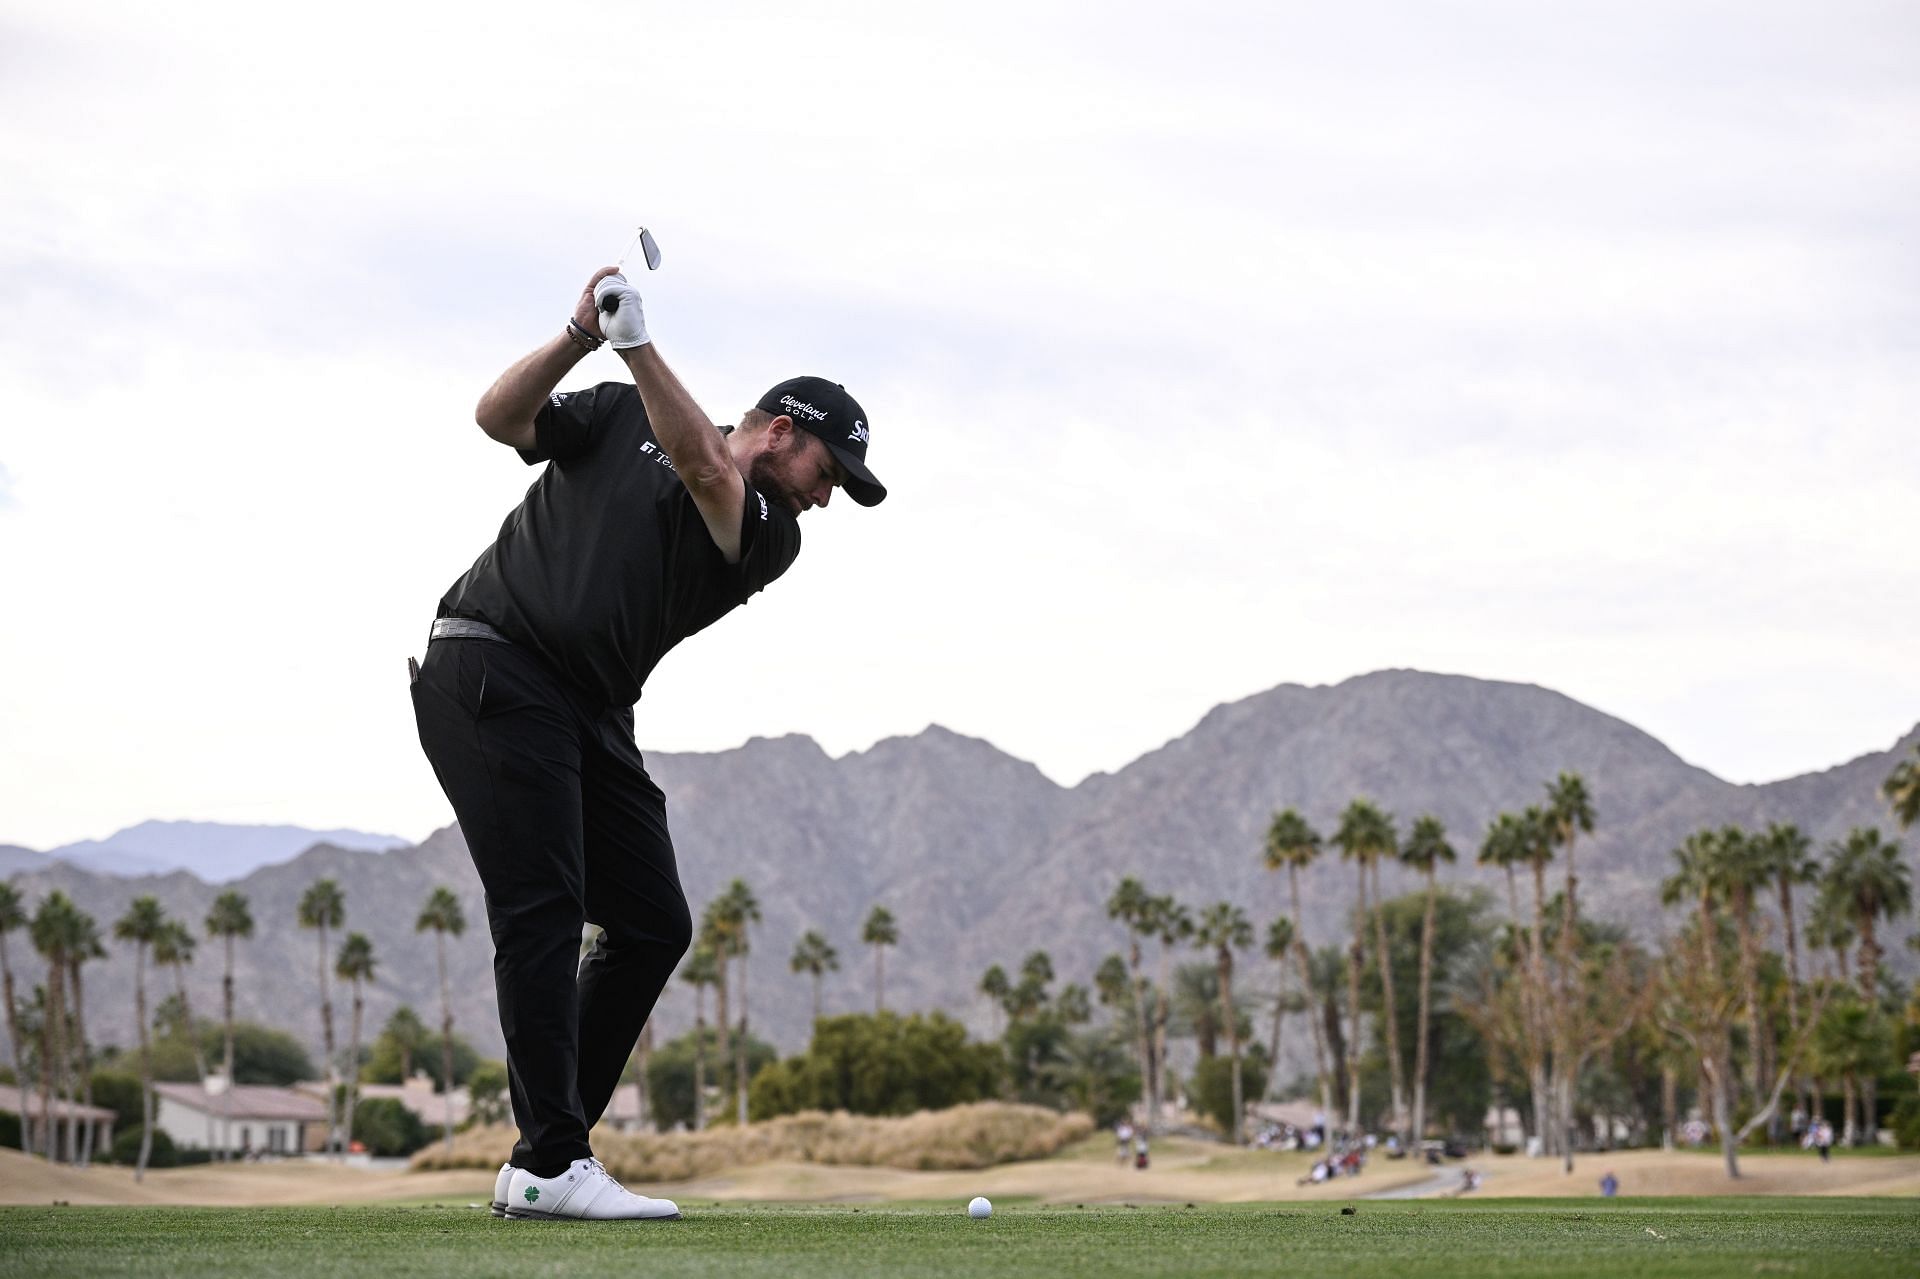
(507,411)
(699,451)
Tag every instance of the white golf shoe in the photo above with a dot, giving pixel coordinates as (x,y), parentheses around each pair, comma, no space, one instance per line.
(586,1191)
(500,1185)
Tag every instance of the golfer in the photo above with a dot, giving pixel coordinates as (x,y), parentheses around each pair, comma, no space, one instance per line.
(647,524)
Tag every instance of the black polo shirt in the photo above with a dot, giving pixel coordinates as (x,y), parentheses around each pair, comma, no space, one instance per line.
(607,564)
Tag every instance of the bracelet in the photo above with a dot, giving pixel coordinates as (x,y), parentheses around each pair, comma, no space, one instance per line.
(581,338)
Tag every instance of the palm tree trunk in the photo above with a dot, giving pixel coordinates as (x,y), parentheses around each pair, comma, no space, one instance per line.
(1540,1077)
(326,1042)
(48,1033)
(1142,1034)
(353,1060)
(1306,984)
(1273,1044)
(816,994)
(446,1033)
(1849,1135)
(1233,1046)
(13,1043)
(1669,1104)
(1396,1067)
(226,1097)
(879,980)
(1423,1029)
(720,992)
(740,1052)
(83,1062)
(1723,1109)
(1354,960)
(1162,1008)
(146,1059)
(700,1057)
(56,1067)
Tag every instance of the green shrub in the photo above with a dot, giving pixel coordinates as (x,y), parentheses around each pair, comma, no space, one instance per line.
(126,1149)
(881,1064)
(1905,1122)
(1212,1087)
(386,1127)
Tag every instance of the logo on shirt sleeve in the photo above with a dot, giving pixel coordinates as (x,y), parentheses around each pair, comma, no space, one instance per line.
(556,398)
(763,504)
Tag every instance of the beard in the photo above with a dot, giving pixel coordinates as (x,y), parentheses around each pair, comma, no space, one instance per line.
(763,473)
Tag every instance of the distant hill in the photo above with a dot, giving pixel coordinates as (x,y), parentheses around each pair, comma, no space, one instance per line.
(982,859)
(214,851)
(14,858)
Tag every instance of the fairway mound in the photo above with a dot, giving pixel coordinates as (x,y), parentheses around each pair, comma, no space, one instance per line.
(975,1136)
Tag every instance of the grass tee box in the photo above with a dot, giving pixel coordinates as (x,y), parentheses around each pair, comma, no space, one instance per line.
(1855,1238)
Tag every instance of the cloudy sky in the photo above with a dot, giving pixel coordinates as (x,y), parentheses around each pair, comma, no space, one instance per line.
(1205,348)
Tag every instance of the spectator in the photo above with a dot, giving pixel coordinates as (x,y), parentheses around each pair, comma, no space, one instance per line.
(1609,1185)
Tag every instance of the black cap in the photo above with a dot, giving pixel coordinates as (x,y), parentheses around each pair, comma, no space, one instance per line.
(825,409)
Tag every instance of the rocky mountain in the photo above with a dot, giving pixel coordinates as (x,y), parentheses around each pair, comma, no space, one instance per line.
(215,851)
(982,859)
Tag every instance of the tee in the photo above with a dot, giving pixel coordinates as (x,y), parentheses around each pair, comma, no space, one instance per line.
(607,563)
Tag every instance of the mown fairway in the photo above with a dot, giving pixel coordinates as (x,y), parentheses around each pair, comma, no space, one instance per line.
(1855,1238)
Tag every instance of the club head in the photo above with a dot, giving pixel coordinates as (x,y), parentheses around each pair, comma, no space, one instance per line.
(649,249)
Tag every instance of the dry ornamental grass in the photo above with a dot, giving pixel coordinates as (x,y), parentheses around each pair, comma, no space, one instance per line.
(973,1136)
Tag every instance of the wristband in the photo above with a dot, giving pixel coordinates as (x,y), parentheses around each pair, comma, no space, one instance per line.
(581,338)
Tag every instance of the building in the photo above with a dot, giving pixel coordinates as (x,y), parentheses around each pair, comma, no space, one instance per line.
(244,1119)
(33,1135)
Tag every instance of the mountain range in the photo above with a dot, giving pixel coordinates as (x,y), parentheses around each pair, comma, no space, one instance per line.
(982,859)
(214,851)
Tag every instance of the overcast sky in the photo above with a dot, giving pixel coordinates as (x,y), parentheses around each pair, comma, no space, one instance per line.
(1205,348)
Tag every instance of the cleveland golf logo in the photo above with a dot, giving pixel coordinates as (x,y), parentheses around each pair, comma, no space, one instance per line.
(800,408)
(859,433)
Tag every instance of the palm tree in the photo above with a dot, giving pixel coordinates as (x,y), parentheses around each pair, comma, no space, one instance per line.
(443,915)
(355,966)
(995,986)
(1364,837)
(1293,844)
(1279,948)
(1867,879)
(1785,853)
(1569,814)
(1740,869)
(718,939)
(1224,929)
(322,907)
(53,935)
(86,945)
(13,915)
(142,925)
(1696,880)
(739,911)
(1426,848)
(814,955)
(173,949)
(229,919)
(700,970)
(1130,904)
(1171,923)
(1902,789)
(1535,847)
(408,1034)
(880,931)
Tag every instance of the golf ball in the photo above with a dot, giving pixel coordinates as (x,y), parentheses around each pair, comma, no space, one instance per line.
(979,1207)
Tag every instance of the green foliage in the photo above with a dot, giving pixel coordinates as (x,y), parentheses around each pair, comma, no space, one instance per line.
(488,1087)
(670,1075)
(1905,1122)
(882,1064)
(386,1127)
(126,1148)
(119,1091)
(383,1061)
(261,1055)
(1211,1088)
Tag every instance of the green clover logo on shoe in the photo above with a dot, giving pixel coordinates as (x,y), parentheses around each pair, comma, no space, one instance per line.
(533,1193)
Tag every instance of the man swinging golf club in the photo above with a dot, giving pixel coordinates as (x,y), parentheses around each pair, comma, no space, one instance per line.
(648,524)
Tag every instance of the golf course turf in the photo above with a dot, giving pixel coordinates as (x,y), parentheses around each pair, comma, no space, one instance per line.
(1855,1238)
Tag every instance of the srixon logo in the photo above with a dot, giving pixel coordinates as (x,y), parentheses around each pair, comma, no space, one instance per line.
(859,433)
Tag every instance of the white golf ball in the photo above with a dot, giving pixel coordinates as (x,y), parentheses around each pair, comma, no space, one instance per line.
(979,1207)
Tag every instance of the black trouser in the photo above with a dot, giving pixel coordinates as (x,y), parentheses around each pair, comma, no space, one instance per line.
(565,827)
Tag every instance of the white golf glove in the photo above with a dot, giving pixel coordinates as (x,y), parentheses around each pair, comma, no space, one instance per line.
(620,316)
